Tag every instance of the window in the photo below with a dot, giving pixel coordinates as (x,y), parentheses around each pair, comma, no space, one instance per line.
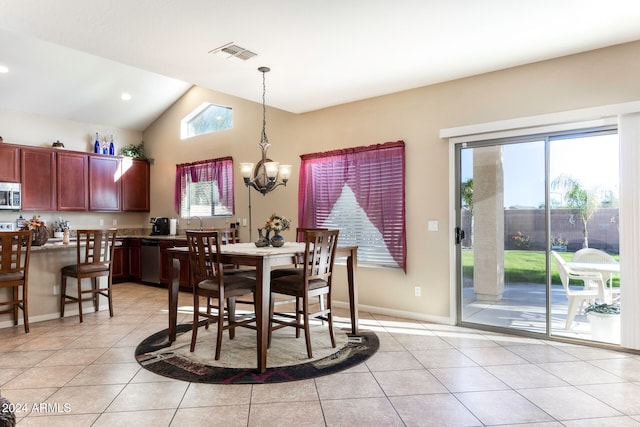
(359,191)
(207,118)
(205,188)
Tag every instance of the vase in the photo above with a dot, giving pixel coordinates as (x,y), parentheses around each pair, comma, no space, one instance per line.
(262,241)
(277,240)
(40,236)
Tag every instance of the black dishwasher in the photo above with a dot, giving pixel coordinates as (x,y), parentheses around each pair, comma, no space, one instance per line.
(150,260)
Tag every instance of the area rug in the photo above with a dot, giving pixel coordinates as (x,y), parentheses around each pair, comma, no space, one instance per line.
(286,358)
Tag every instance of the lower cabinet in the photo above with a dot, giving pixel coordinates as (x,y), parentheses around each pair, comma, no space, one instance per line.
(126,262)
(119,264)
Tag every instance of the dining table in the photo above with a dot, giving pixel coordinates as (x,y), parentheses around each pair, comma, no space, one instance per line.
(607,269)
(263,259)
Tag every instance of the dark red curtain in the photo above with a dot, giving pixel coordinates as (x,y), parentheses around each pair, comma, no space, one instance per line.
(374,173)
(219,170)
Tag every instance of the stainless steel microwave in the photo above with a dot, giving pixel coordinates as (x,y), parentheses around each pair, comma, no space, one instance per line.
(10,196)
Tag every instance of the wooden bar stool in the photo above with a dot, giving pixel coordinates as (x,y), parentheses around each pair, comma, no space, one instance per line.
(95,250)
(15,251)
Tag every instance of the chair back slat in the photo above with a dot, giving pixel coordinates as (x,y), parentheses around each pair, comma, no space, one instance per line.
(204,255)
(320,253)
(95,246)
(15,247)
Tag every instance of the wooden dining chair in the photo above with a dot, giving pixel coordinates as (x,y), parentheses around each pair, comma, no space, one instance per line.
(316,279)
(208,279)
(15,251)
(94,259)
(297,268)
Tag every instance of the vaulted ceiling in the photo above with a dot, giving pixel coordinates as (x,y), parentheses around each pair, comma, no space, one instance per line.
(74,58)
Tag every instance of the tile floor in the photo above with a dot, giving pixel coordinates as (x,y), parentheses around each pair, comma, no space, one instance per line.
(68,374)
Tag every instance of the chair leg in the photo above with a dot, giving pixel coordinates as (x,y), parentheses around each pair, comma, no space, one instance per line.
(307,330)
(220,327)
(109,298)
(25,310)
(231,316)
(330,321)
(16,296)
(94,293)
(206,325)
(271,310)
(298,317)
(63,293)
(196,317)
(571,311)
(80,298)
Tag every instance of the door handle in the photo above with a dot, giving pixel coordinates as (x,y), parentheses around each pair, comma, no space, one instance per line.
(459,235)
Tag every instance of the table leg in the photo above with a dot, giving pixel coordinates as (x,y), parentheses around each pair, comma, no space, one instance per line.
(262,298)
(352,265)
(174,285)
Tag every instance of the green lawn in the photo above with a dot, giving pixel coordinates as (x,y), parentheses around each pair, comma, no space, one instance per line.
(525,266)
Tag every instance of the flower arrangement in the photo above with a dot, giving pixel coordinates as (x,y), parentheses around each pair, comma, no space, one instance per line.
(32,224)
(40,231)
(521,241)
(59,225)
(558,240)
(277,223)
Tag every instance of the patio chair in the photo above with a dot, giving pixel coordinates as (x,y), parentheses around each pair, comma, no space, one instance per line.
(577,297)
(600,257)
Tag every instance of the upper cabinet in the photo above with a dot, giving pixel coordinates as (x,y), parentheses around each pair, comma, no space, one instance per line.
(73,181)
(105,186)
(135,185)
(9,163)
(38,179)
(63,180)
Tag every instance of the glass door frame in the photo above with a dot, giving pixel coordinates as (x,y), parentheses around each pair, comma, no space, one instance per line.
(547,137)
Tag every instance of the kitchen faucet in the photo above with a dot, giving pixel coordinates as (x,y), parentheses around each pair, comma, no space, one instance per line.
(199,219)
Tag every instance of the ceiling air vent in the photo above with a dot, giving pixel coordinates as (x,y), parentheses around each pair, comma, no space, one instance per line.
(233,51)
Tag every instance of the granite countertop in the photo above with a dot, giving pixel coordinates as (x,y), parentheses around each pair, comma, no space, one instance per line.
(56,243)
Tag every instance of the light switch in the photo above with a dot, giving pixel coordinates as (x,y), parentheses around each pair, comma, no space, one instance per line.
(432,225)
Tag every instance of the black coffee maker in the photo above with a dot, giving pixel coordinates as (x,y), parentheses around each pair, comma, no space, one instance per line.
(160,226)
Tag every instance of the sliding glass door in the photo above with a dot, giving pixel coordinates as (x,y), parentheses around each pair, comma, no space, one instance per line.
(522,203)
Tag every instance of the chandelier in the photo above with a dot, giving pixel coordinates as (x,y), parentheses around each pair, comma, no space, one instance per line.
(264,175)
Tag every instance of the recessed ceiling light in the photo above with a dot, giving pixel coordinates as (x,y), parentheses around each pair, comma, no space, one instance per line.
(3,69)
(125,97)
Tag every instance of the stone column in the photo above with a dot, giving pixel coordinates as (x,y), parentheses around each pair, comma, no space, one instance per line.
(488,227)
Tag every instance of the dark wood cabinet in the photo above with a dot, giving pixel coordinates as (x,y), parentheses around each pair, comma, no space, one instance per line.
(134,259)
(119,264)
(165,276)
(105,187)
(135,185)
(62,180)
(9,163)
(38,179)
(73,181)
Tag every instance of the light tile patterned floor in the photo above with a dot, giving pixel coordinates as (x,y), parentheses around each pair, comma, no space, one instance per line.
(68,374)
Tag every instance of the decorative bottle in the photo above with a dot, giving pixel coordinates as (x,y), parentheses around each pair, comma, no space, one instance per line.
(96,146)
(112,148)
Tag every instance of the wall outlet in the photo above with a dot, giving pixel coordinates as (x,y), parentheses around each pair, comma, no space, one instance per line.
(56,290)
(418,291)
(115,222)
(101,221)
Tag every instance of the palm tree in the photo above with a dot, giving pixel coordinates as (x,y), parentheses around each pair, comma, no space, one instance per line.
(575,196)
(466,192)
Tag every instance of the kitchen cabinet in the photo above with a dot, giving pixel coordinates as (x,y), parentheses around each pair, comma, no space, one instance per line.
(105,187)
(9,163)
(73,181)
(38,179)
(133,248)
(119,263)
(135,185)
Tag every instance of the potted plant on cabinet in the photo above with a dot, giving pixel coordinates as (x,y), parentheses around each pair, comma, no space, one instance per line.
(605,322)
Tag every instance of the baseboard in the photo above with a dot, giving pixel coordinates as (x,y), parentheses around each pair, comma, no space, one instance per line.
(397,313)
